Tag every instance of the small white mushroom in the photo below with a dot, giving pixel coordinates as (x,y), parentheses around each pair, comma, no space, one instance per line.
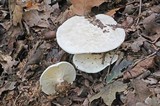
(93,63)
(96,35)
(55,75)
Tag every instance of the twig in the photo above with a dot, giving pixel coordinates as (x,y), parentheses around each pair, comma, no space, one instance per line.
(103,57)
(16,99)
(140,10)
(108,71)
(109,68)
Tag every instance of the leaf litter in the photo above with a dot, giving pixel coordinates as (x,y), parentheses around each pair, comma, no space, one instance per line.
(28,45)
(108,92)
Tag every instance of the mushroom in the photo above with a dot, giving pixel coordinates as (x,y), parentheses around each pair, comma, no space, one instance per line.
(57,78)
(84,35)
(93,63)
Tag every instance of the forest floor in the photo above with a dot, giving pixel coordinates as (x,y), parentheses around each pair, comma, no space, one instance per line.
(28,46)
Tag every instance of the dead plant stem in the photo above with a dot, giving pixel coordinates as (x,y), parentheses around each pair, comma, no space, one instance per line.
(140,10)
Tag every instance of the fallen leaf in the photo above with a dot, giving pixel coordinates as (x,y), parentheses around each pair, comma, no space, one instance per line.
(11,4)
(86,102)
(7,62)
(139,68)
(141,90)
(58,56)
(135,46)
(13,34)
(153,101)
(156,75)
(36,57)
(117,70)
(150,81)
(49,35)
(33,18)
(6,25)
(112,12)
(20,45)
(17,14)
(156,8)
(151,24)
(3,14)
(64,101)
(97,87)
(40,18)
(128,22)
(140,104)
(64,16)
(157,59)
(82,7)
(158,44)
(131,99)
(7,86)
(30,5)
(129,9)
(108,92)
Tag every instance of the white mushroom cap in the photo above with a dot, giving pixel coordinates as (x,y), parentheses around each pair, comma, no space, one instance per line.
(92,63)
(56,74)
(77,35)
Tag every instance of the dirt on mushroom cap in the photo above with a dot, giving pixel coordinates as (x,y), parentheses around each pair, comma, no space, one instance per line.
(77,35)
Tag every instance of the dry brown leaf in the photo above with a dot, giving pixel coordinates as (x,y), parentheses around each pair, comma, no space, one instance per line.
(108,92)
(158,44)
(3,14)
(7,86)
(156,8)
(151,23)
(39,18)
(141,90)
(131,100)
(7,62)
(140,94)
(17,14)
(33,18)
(49,35)
(153,101)
(86,102)
(127,23)
(64,16)
(28,4)
(11,4)
(129,9)
(82,7)
(112,12)
(140,68)
(135,46)
(31,5)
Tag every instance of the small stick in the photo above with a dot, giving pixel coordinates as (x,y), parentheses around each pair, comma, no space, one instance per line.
(103,57)
(109,68)
(140,10)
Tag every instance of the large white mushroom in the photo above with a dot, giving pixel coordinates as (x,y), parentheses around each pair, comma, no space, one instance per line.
(57,77)
(83,35)
(93,63)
